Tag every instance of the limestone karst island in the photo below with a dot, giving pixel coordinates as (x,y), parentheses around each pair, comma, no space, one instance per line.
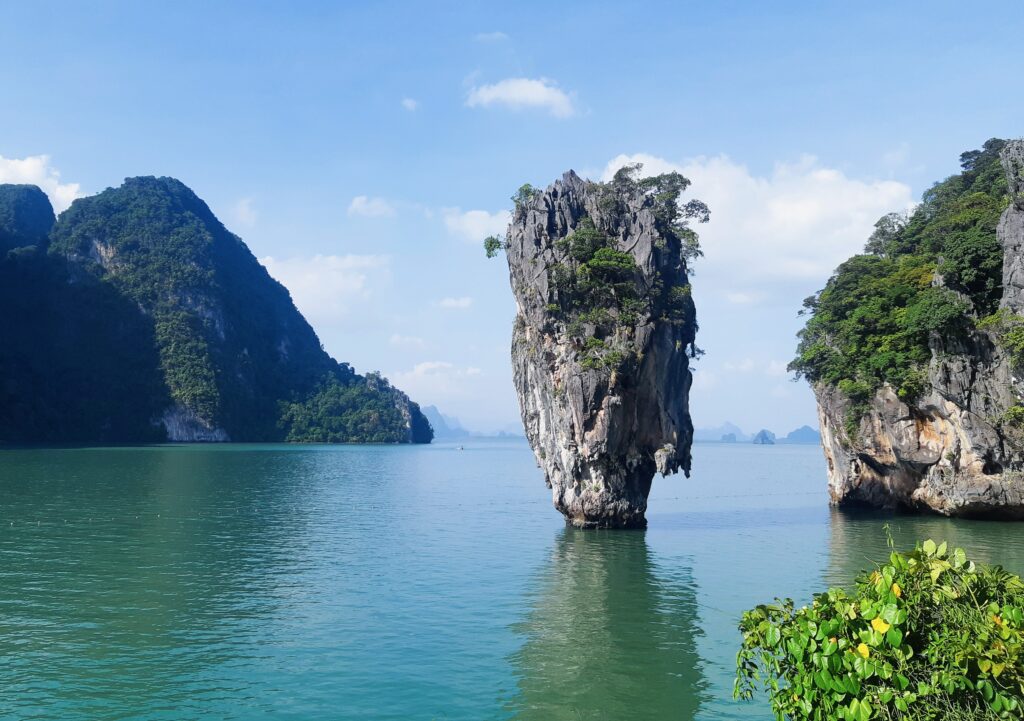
(546,362)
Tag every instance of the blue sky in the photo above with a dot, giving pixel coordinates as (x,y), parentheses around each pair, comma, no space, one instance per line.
(361,150)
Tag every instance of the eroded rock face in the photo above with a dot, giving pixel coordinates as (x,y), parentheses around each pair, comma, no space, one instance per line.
(603,385)
(949,451)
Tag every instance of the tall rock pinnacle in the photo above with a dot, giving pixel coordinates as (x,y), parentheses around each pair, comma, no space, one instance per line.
(603,337)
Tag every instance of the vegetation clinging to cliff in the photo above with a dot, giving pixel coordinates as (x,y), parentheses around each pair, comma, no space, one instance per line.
(595,289)
(872,322)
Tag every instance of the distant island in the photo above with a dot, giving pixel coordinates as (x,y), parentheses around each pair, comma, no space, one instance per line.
(731,433)
(137,316)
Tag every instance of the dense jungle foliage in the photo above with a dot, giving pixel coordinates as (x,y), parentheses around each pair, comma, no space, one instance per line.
(202,322)
(871,323)
(928,636)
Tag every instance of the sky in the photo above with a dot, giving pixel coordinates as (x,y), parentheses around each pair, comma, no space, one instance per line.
(363,150)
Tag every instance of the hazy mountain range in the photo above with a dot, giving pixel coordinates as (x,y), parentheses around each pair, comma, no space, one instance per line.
(731,433)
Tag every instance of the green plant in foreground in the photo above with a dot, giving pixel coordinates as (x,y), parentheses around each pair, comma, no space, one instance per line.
(929,635)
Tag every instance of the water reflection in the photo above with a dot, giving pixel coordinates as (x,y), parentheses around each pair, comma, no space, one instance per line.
(610,635)
(858,540)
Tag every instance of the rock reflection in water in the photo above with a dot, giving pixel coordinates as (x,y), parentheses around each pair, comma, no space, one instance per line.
(611,635)
(858,540)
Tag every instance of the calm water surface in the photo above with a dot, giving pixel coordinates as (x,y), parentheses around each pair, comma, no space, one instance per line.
(291,582)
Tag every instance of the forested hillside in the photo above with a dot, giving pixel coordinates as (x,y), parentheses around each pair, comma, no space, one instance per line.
(140,316)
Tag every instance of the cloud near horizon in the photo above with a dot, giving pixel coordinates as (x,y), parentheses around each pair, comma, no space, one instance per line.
(326,288)
(795,225)
(523,93)
(438,382)
(36,170)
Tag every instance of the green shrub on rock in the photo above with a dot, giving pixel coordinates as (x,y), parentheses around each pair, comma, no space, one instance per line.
(929,635)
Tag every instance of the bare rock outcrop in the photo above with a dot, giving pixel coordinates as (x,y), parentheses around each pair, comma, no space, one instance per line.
(603,337)
(951,450)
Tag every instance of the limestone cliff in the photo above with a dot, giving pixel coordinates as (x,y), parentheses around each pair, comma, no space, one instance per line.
(957,448)
(603,337)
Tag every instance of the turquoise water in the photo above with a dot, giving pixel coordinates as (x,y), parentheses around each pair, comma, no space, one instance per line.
(292,582)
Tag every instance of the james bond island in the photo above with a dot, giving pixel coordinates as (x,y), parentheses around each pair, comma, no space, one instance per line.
(603,337)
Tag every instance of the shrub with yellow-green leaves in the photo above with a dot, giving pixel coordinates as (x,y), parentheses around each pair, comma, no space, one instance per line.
(929,635)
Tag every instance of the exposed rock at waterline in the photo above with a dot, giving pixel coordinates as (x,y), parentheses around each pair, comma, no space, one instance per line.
(957,449)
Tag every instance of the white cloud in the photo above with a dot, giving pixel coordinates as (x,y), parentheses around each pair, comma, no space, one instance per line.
(494,37)
(520,93)
(36,170)
(327,287)
(368,207)
(245,213)
(475,225)
(435,382)
(776,368)
(407,341)
(797,224)
(455,303)
(410,104)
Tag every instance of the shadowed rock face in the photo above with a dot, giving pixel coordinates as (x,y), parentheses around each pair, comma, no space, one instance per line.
(26,217)
(603,377)
(948,452)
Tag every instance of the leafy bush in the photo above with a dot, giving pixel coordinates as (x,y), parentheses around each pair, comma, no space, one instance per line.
(929,635)
(1014,416)
(492,245)
(1009,330)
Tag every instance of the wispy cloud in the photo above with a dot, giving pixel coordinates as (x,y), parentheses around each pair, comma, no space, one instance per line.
(326,288)
(410,104)
(523,93)
(36,170)
(741,366)
(455,303)
(439,381)
(245,213)
(494,37)
(475,225)
(369,207)
(407,341)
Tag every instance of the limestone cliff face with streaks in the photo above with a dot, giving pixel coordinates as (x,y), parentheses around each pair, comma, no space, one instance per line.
(951,450)
(602,339)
